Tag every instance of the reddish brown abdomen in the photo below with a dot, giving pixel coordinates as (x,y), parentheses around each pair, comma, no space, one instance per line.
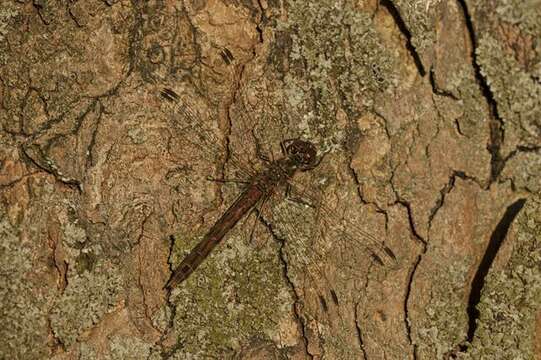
(199,253)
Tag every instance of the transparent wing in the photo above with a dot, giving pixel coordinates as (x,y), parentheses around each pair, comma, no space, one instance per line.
(190,122)
(348,232)
(351,234)
(327,315)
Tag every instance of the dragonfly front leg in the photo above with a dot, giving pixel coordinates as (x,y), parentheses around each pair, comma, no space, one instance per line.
(284,144)
(258,211)
(298,199)
(259,152)
(226,181)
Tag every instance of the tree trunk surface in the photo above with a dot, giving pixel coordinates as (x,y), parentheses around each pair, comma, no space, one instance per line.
(426,115)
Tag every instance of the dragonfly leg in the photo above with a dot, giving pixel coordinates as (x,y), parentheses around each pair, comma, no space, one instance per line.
(284,144)
(259,152)
(258,209)
(235,181)
(298,199)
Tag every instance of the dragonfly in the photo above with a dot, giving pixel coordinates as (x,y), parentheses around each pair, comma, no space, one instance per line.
(259,187)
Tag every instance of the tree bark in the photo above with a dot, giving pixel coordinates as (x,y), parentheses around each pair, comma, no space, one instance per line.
(427,116)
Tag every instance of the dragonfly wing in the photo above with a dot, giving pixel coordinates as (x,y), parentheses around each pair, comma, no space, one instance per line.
(327,315)
(197,133)
(345,230)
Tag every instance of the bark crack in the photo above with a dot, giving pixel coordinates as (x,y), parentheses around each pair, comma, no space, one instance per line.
(258,26)
(496,240)
(406,300)
(37,155)
(166,354)
(61,266)
(497,132)
(436,90)
(412,274)
(401,24)
(90,150)
(41,7)
(359,331)
(73,16)
(411,277)
(301,321)
(55,343)
(446,190)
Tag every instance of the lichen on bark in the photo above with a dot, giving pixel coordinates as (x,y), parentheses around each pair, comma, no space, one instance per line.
(427,113)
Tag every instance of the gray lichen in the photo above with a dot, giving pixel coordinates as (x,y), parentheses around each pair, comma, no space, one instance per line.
(8,10)
(419,16)
(23,309)
(338,41)
(86,299)
(524,169)
(524,13)
(87,352)
(511,298)
(122,347)
(237,295)
(446,319)
(517,94)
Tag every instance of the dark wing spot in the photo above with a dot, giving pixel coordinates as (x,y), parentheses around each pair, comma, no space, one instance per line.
(334,297)
(389,252)
(377,259)
(169,94)
(227,56)
(382,315)
(228,53)
(323,303)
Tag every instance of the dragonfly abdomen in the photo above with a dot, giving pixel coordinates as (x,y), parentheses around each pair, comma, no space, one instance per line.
(248,199)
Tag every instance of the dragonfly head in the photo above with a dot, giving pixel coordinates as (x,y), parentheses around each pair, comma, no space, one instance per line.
(303,153)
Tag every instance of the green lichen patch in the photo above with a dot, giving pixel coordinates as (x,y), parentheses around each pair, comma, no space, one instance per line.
(85,300)
(516,92)
(236,296)
(122,347)
(23,309)
(524,13)
(524,169)
(8,10)
(87,352)
(511,298)
(446,320)
(336,60)
(419,17)
(338,42)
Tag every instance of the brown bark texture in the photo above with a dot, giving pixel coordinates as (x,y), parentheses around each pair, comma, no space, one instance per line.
(427,115)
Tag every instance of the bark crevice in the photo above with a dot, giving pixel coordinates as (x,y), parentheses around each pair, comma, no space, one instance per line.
(496,240)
